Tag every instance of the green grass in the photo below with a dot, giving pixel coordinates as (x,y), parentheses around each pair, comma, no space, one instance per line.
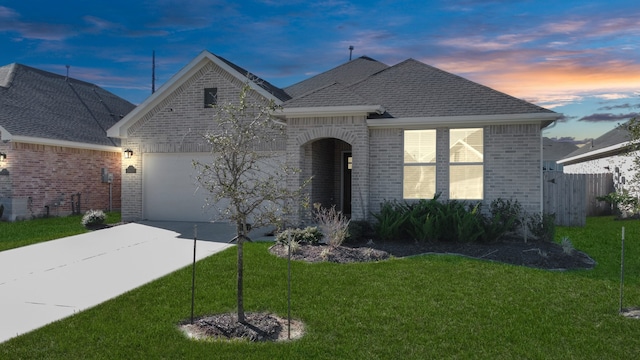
(422,307)
(27,232)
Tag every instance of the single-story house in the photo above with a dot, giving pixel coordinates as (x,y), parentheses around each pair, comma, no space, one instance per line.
(605,154)
(366,131)
(55,156)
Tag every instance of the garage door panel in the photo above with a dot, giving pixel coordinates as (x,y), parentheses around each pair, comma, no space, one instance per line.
(171,191)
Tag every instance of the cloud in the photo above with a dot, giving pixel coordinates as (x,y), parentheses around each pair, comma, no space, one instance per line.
(621,106)
(31,30)
(7,13)
(607,117)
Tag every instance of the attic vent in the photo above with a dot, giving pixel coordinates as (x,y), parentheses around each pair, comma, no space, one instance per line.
(210,97)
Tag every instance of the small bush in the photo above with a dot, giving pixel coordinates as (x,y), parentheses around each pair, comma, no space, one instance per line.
(504,217)
(390,221)
(542,226)
(309,235)
(360,230)
(93,218)
(567,246)
(624,204)
(333,224)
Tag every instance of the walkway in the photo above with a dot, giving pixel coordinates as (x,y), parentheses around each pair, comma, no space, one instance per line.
(49,281)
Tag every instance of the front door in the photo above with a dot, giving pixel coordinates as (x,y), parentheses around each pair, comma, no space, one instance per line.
(347,165)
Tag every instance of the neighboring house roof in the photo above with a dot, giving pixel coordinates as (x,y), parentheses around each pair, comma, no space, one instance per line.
(610,143)
(42,107)
(553,150)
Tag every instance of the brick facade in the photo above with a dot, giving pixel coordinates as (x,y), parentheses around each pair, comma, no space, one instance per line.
(35,179)
(175,125)
(512,153)
(512,159)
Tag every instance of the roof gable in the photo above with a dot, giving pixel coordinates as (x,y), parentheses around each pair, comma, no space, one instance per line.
(164,93)
(36,104)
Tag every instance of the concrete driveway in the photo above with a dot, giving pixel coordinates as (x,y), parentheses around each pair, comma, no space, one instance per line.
(49,281)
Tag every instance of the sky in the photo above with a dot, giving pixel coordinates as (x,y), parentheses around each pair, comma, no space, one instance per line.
(578,58)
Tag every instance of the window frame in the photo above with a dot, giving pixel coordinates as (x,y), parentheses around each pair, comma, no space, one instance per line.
(208,104)
(417,164)
(468,164)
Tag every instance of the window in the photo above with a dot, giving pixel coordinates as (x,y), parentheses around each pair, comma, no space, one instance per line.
(210,97)
(419,164)
(466,169)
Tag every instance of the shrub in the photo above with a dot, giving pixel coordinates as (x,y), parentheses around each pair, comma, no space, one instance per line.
(542,226)
(309,235)
(453,220)
(624,204)
(93,218)
(360,230)
(567,246)
(390,221)
(504,217)
(333,224)
(422,219)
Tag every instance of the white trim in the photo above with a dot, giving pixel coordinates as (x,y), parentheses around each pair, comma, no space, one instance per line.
(541,176)
(351,110)
(467,120)
(609,149)
(119,130)
(62,143)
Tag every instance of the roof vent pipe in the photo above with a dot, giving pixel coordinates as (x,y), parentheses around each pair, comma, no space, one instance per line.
(67,78)
(350,51)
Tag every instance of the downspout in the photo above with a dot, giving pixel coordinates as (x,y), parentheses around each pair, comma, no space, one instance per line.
(541,176)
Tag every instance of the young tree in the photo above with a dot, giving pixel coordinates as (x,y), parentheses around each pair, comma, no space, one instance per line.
(246,171)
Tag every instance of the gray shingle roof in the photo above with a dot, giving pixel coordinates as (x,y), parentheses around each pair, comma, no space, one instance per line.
(331,95)
(553,150)
(409,89)
(271,89)
(345,74)
(41,104)
(616,136)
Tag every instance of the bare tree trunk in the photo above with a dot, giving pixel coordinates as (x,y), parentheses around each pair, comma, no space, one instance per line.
(241,237)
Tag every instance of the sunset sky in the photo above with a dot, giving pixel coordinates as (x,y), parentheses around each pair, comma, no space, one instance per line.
(579,58)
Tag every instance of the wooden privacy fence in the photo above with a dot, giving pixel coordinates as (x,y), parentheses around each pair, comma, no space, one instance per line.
(572,197)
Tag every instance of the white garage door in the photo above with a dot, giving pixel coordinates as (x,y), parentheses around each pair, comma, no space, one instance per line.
(170,188)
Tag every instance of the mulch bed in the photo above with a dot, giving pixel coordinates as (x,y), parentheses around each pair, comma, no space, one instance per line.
(538,254)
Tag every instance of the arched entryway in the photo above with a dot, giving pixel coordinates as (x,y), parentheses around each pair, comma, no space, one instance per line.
(331,163)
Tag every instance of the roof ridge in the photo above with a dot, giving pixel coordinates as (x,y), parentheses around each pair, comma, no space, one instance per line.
(338,67)
(336,84)
(412,60)
(7,73)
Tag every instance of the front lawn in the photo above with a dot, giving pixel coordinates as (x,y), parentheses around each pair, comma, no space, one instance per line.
(27,232)
(433,306)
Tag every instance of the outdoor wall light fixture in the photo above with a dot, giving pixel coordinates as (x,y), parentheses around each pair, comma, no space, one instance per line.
(3,156)
(128,154)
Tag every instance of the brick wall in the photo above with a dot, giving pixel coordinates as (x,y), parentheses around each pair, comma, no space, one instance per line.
(303,132)
(43,175)
(176,125)
(512,155)
(513,164)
